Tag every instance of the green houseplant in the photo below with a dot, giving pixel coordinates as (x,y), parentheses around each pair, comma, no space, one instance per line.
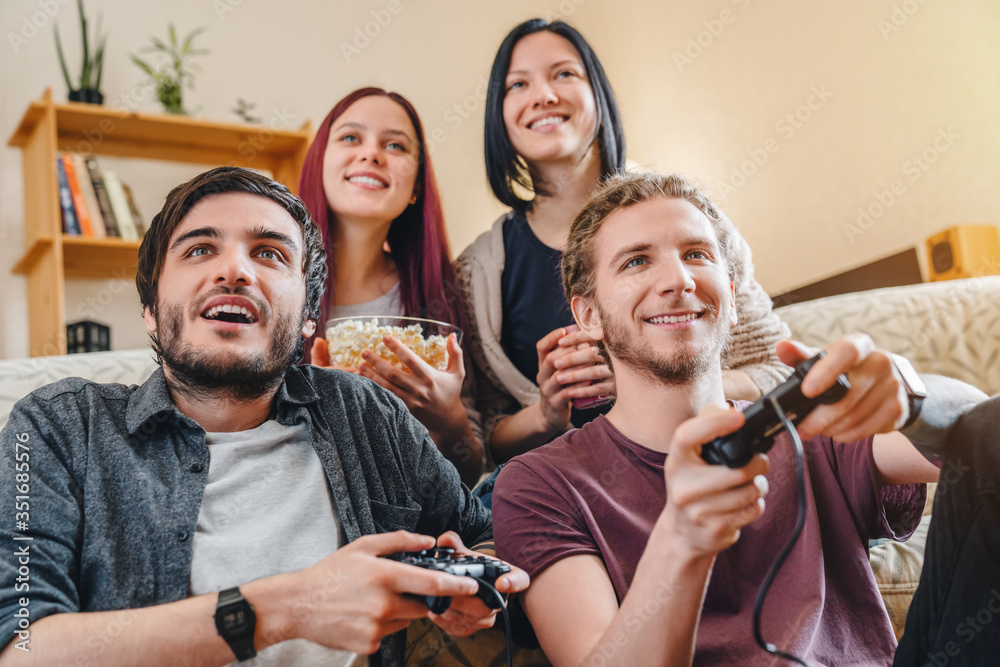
(90,73)
(178,73)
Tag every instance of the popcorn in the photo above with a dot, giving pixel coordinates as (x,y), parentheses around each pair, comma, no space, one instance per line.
(350,338)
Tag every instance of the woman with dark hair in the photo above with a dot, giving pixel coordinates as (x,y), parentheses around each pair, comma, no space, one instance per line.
(552,133)
(368,182)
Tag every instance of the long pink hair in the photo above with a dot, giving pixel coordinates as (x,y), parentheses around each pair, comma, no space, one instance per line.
(417,240)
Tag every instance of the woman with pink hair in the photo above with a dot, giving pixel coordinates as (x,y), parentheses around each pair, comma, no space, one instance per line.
(369,185)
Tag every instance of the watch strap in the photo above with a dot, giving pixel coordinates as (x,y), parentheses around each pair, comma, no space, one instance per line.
(241,644)
(915,390)
(916,403)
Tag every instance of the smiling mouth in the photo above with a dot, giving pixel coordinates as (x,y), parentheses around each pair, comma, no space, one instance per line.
(368,180)
(548,120)
(675,319)
(230,313)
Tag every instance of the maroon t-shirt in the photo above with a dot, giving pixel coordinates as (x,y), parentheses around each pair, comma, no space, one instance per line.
(594,491)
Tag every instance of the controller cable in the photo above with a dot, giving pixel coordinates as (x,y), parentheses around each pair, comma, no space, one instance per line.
(503,612)
(796,532)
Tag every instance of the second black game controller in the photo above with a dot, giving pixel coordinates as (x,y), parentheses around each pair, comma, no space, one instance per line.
(762,424)
(443,559)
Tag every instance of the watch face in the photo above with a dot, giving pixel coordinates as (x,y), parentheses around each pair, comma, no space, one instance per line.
(234,621)
(914,384)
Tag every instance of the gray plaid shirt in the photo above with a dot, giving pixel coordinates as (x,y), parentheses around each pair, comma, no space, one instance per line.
(115,477)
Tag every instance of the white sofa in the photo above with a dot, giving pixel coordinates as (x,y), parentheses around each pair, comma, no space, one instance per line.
(19,377)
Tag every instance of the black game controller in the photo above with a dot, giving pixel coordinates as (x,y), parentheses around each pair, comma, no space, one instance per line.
(762,424)
(444,559)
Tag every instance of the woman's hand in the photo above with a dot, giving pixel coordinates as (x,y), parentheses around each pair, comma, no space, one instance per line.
(434,397)
(569,366)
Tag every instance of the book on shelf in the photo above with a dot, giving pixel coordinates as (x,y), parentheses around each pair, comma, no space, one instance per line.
(137,219)
(79,205)
(69,222)
(89,196)
(97,181)
(119,204)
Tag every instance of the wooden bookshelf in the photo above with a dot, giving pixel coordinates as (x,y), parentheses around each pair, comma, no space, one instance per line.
(47,127)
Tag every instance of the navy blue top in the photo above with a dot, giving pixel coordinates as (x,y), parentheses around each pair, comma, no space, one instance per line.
(534,302)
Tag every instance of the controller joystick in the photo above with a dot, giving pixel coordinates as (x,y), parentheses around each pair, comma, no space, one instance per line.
(762,426)
(444,559)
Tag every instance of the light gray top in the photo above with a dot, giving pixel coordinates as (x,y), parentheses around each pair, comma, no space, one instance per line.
(389,303)
(266,510)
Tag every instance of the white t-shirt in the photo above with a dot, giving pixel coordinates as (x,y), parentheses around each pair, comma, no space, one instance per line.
(266,510)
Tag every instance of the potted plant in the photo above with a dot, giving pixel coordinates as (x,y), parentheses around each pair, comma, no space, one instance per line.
(90,73)
(178,73)
(244,110)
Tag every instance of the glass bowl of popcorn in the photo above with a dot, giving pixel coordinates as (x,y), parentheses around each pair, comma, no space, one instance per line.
(348,337)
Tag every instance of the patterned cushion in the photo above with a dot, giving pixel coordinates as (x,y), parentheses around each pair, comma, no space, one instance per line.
(19,377)
(948,328)
(897,568)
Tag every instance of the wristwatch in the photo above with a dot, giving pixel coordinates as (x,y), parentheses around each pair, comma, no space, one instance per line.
(236,622)
(916,392)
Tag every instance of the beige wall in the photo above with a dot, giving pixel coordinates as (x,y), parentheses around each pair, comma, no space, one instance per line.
(705,89)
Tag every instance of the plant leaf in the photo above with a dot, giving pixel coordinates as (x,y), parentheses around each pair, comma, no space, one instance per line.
(190,38)
(143,64)
(62,59)
(173,34)
(85,69)
(99,63)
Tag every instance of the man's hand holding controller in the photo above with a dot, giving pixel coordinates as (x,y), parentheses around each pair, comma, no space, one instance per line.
(353,598)
(708,505)
(848,392)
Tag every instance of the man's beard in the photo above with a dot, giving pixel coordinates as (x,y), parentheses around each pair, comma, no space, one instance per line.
(224,373)
(683,366)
